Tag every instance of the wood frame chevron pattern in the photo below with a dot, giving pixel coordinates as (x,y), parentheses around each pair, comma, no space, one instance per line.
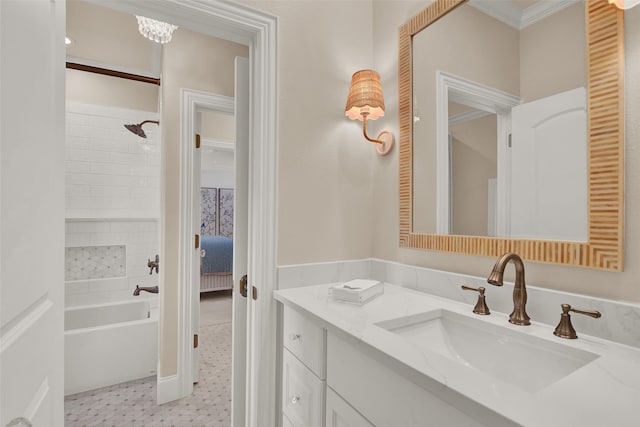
(605,81)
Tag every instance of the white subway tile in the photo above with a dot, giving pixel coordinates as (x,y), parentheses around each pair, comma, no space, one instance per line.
(79,142)
(144,170)
(77,239)
(128,158)
(73,191)
(109,169)
(107,285)
(88,227)
(99,239)
(76,166)
(75,288)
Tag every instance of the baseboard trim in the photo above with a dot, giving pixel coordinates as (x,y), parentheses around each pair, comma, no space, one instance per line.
(168,389)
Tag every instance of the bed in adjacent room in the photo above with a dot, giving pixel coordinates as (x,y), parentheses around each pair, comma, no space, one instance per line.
(216,263)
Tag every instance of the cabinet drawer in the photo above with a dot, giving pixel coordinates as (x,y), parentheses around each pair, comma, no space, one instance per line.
(286,422)
(302,393)
(341,414)
(305,340)
(388,399)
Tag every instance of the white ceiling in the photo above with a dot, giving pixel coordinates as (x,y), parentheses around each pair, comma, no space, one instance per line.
(521,13)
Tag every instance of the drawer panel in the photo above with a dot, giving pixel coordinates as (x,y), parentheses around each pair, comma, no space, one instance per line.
(286,422)
(302,393)
(341,414)
(305,340)
(386,398)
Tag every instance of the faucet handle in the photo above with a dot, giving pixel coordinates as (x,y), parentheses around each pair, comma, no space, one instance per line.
(565,328)
(481,306)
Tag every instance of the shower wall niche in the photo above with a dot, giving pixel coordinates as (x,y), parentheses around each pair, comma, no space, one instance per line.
(112,203)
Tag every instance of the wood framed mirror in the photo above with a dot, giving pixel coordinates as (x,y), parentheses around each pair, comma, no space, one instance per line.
(603,247)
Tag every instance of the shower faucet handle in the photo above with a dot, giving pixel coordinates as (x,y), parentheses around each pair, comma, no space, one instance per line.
(153,264)
(481,306)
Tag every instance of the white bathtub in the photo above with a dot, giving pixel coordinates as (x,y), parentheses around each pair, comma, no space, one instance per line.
(108,344)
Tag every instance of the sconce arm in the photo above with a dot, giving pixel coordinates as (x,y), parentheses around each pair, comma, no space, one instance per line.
(364,130)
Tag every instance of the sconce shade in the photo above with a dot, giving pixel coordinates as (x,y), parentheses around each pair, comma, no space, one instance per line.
(624,4)
(365,96)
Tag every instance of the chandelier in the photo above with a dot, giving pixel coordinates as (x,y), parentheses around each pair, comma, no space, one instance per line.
(157,31)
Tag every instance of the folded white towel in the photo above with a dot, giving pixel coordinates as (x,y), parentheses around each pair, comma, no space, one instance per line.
(357,291)
(357,285)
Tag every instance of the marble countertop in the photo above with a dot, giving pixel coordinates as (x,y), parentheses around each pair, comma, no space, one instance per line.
(605,391)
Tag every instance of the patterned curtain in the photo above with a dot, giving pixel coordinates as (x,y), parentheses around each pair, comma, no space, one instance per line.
(216,211)
(209,211)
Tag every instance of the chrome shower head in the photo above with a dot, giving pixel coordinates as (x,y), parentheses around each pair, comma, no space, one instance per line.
(137,129)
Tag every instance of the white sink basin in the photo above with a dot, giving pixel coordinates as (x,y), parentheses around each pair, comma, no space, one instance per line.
(524,361)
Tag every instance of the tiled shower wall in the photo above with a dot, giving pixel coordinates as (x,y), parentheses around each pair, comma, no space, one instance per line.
(141,240)
(110,172)
(112,203)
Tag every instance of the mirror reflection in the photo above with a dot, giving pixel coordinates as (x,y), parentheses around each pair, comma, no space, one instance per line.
(499,121)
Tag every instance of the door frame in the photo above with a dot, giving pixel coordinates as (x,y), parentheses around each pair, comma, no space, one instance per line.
(191,102)
(259,31)
(450,87)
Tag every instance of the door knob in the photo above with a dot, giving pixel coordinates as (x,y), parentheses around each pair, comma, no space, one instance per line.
(243,286)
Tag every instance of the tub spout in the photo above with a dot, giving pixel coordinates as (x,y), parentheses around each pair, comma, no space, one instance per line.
(150,289)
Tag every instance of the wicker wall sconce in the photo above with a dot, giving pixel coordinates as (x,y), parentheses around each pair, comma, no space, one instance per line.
(365,102)
(624,4)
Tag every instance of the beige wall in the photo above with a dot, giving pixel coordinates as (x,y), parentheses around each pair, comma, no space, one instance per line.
(108,36)
(474,160)
(324,163)
(111,38)
(219,126)
(486,52)
(90,88)
(553,54)
(626,285)
(192,61)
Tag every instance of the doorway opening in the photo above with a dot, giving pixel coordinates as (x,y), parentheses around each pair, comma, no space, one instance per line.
(257,31)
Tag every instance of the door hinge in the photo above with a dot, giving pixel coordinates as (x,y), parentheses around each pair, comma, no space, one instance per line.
(254,292)
(197,140)
(243,286)
(195,340)
(197,241)
(509,141)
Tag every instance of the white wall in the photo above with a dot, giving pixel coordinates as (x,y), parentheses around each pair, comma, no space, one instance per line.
(217,179)
(217,165)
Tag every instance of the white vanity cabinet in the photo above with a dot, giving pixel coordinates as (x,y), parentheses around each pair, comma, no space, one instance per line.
(303,371)
(306,399)
(302,393)
(331,379)
(341,414)
(385,397)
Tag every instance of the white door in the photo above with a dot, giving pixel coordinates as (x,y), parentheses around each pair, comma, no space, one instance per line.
(240,244)
(32,211)
(549,168)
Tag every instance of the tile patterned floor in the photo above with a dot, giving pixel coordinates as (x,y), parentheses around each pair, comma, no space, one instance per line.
(132,404)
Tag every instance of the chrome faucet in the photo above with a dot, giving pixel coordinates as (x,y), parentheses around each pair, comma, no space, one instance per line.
(519,315)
